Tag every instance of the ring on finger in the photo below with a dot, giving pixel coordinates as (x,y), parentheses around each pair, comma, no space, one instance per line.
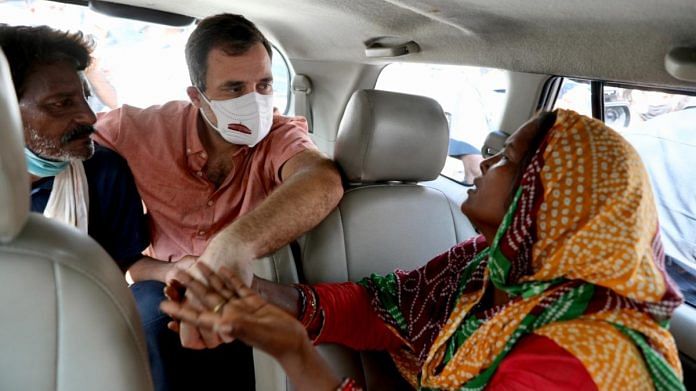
(218,308)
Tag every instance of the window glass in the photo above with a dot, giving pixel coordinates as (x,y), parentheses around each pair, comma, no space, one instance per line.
(575,95)
(472,98)
(281,82)
(136,63)
(662,128)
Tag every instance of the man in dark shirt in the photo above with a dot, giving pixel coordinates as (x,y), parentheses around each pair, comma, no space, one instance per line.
(116,219)
(73,179)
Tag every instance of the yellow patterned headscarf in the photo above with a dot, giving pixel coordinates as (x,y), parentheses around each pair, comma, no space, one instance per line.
(579,252)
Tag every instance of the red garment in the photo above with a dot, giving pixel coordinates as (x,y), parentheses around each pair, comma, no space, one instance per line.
(350,320)
(535,363)
(538,363)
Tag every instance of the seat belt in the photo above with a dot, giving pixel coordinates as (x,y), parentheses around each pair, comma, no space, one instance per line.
(302,88)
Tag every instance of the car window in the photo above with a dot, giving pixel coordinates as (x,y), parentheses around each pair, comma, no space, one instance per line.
(136,63)
(662,128)
(473,99)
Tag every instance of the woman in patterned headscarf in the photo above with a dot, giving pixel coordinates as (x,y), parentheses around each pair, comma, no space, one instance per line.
(565,287)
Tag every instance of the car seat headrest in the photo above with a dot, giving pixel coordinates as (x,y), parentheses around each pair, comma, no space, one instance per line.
(388,136)
(14,178)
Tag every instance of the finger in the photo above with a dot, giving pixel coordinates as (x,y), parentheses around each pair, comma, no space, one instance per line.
(174,291)
(173,325)
(219,285)
(210,337)
(190,337)
(238,326)
(202,296)
(235,284)
(214,281)
(202,271)
(177,311)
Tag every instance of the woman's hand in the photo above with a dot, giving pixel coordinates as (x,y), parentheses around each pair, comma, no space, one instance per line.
(224,305)
(230,309)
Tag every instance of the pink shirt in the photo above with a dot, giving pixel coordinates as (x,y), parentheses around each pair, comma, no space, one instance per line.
(163,150)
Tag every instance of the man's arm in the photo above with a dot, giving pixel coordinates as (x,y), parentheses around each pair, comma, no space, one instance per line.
(311,189)
(147,268)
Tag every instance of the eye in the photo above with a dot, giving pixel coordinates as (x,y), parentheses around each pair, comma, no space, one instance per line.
(62,103)
(265,86)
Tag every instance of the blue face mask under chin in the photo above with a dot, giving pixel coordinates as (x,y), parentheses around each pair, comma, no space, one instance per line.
(42,167)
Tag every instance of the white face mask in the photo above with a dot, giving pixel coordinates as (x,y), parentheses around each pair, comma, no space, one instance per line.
(253,111)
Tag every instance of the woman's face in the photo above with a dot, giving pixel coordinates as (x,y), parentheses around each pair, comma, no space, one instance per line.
(488,202)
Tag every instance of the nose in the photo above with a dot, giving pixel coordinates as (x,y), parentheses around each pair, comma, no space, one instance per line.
(488,162)
(85,116)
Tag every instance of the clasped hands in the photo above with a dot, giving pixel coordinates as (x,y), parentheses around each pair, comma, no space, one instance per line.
(223,309)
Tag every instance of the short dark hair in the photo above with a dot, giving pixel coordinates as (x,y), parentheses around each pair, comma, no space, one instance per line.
(231,33)
(26,47)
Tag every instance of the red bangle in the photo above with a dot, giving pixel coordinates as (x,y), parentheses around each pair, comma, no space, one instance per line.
(349,384)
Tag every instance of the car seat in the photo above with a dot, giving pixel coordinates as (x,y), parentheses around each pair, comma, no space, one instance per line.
(387,144)
(69,321)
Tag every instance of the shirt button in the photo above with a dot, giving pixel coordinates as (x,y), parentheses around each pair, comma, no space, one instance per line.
(210,203)
(188,150)
(199,173)
(204,155)
(201,233)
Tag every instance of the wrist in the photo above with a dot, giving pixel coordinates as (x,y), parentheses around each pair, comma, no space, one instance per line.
(298,361)
(307,370)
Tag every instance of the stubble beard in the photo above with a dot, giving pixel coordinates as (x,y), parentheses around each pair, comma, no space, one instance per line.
(54,148)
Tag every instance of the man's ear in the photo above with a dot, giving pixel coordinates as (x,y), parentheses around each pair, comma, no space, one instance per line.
(194,96)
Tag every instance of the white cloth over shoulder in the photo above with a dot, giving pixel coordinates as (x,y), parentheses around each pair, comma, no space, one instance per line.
(69,199)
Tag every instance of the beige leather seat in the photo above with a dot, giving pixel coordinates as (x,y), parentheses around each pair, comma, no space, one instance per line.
(68,319)
(387,144)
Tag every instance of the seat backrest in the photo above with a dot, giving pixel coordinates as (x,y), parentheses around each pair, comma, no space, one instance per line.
(387,143)
(278,267)
(69,321)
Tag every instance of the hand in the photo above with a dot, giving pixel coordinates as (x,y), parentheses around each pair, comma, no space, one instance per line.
(191,337)
(244,314)
(184,263)
(231,252)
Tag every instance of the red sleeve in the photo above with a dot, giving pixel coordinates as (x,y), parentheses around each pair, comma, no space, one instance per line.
(538,363)
(349,319)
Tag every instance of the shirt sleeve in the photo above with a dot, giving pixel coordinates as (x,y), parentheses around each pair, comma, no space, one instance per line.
(345,303)
(288,137)
(108,128)
(538,363)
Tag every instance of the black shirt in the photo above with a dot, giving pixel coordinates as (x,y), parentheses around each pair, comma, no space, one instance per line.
(116,218)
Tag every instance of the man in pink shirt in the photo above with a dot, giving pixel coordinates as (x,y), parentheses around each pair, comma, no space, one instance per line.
(224,179)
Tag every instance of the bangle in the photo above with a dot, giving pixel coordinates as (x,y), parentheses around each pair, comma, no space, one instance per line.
(348,384)
(309,307)
(302,303)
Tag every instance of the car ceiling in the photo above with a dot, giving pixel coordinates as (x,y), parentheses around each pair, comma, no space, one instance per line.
(621,40)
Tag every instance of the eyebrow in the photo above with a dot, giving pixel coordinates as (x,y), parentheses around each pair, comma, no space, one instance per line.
(237,83)
(63,94)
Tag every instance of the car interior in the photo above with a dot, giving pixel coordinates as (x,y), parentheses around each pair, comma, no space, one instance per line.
(386,85)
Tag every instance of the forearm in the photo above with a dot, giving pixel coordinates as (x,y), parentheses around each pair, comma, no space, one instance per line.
(292,209)
(284,296)
(341,305)
(307,370)
(147,268)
